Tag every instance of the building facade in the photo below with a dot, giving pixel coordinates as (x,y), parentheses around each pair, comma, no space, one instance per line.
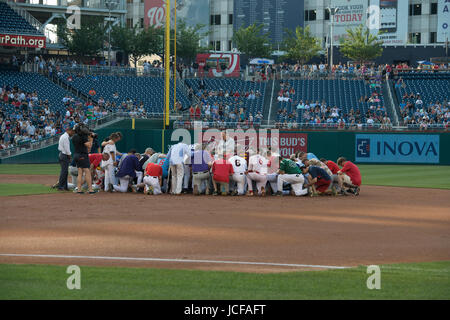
(422,21)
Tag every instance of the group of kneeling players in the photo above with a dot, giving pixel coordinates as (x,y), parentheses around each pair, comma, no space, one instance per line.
(215,169)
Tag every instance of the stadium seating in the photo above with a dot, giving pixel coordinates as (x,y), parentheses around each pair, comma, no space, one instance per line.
(11,22)
(431,87)
(31,82)
(344,94)
(148,90)
(251,106)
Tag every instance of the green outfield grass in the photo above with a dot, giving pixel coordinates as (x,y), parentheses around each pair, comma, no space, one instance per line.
(403,281)
(52,169)
(418,176)
(16,189)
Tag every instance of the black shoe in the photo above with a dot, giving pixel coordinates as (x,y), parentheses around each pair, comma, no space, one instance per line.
(279,194)
(356,191)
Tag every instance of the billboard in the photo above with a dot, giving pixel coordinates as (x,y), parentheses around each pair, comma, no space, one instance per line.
(397,148)
(350,15)
(14,40)
(276,15)
(443,33)
(218,65)
(193,12)
(390,17)
(154,13)
(286,143)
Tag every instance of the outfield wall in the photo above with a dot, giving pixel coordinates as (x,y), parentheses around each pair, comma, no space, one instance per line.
(388,148)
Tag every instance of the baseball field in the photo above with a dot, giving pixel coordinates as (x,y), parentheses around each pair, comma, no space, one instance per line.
(145,247)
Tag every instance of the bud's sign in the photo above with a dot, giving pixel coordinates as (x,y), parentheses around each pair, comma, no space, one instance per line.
(284,143)
(154,13)
(397,148)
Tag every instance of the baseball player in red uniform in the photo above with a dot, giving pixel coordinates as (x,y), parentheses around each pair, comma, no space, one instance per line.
(221,170)
(349,176)
(153,179)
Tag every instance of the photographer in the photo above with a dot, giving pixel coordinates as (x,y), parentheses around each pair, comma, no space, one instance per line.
(95,145)
(82,142)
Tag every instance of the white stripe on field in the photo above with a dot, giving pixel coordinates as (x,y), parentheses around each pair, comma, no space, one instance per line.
(173,260)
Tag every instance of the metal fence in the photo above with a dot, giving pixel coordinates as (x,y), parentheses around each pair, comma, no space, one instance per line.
(29,145)
(191,124)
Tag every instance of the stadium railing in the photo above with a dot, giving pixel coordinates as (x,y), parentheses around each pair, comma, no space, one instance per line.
(190,124)
(30,145)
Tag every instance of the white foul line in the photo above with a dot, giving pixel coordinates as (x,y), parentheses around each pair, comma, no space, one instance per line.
(173,260)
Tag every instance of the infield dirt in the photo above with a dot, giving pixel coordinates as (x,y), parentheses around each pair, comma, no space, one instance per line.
(382,225)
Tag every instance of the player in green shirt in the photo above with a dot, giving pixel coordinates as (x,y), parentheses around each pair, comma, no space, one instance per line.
(290,173)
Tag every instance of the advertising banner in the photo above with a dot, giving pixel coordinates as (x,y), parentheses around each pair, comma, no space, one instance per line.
(14,40)
(192,12)
(397,148)
(390,17)
(350,15)
(286,143)
(443,33)
(218,65)
(155,13)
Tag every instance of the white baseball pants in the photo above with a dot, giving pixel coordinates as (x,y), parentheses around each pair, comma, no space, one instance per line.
(123,184)
(295,180)
(273,180)
(177,177)
(260,179)
(240,179)
(200,178)
(109,176)
(153,182)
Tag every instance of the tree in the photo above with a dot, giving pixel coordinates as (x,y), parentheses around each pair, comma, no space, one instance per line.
(188,40)
(361,45)
(135,44)
(301,46)
(252,42)
(86,41)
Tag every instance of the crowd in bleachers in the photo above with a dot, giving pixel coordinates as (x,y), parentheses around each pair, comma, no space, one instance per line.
(424,102)
(25,117)
(222,101)
(298,103)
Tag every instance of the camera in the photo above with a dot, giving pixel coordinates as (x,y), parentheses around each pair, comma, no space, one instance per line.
(82,130)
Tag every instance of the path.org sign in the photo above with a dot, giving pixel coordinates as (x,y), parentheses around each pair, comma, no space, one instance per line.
(397,148)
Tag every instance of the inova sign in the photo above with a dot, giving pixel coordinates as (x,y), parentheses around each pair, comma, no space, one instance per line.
(397,148)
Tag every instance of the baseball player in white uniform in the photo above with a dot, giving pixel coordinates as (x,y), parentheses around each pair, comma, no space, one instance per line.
(257,171)
(239,167)
(224,146)
(272,171)
(177,155)
(108,166)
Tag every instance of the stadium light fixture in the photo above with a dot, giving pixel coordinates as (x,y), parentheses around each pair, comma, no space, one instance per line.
(110,4)
(332,12)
